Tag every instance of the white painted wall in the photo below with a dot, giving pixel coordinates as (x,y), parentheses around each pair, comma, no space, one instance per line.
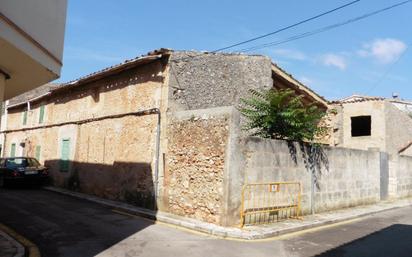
(31,42)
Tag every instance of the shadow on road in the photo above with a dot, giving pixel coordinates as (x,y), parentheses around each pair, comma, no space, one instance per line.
(62,226)
(395,240)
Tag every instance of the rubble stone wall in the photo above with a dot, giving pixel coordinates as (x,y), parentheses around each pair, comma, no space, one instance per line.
(195,166)
(207,80)
(113,157)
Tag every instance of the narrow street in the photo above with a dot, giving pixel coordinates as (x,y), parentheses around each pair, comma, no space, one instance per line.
(65,226)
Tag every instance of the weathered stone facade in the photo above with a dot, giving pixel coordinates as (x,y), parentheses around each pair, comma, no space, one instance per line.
(196,160)
(215,80)
(159,132)
(112,147)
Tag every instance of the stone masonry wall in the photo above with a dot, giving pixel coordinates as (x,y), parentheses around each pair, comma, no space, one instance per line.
(195,167)
(112,158)
(206,80)
(128,91)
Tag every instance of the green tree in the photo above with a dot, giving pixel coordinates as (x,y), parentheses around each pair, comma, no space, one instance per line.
(280,114)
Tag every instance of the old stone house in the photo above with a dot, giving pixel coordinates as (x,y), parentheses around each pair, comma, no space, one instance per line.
(157,131)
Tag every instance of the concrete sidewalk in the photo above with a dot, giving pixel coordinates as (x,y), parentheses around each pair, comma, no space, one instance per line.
(248,232)
(9,247)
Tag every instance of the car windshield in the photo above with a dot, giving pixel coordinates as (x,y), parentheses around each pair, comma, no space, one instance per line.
(21,162)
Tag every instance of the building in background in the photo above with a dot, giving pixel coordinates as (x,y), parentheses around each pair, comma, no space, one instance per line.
(365,122)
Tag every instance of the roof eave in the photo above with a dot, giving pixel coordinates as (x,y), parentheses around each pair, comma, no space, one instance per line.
(299,86)
(109,71)
(28,101)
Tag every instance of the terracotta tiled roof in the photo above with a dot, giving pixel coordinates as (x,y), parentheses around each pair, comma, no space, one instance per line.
(153,55)
(302,86)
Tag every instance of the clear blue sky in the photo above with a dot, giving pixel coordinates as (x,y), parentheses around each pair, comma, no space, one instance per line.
(337,63)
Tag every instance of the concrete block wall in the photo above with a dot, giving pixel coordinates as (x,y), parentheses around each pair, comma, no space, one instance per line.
(403,171)
(343,177)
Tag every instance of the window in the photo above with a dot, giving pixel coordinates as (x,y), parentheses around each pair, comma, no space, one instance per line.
(38,150)
(361,126)
(25,117)
(21,162)
(41,114)
(65,153)
(13,150)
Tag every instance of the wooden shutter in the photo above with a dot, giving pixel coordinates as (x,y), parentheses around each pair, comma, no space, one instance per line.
(24,117)
(65,153)
(13,150)
(41,114)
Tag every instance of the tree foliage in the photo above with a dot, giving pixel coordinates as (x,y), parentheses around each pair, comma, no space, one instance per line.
(280,114)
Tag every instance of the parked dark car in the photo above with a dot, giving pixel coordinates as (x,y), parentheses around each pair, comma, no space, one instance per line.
(22,169)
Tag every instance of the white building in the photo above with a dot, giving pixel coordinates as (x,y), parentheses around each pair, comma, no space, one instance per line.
(31,44)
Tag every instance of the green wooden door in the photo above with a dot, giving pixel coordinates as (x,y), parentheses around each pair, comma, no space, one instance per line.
(13,150)
(65,153)
(38,150)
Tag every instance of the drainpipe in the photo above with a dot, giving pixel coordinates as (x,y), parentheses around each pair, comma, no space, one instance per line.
(156,174)
(3,77)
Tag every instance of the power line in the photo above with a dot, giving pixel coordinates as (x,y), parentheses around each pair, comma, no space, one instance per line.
(323,29)
(287,27)
(274,32)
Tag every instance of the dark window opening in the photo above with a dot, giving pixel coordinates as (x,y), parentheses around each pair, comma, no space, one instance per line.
(361,126)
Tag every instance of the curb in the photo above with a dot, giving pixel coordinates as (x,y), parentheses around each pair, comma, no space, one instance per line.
(17,245)
(253,233)
(25,248)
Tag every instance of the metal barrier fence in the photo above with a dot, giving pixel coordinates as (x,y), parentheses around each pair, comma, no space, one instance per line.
(270,202)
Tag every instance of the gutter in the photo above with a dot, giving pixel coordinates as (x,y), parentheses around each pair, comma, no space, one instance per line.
(156,174)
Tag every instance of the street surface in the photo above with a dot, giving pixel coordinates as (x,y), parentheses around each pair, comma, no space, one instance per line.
(62,226)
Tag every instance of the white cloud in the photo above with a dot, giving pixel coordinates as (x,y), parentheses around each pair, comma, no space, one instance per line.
(385,50)
(290,54)
(334,60)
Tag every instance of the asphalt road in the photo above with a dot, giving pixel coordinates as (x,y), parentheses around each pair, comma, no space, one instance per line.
(65,226)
